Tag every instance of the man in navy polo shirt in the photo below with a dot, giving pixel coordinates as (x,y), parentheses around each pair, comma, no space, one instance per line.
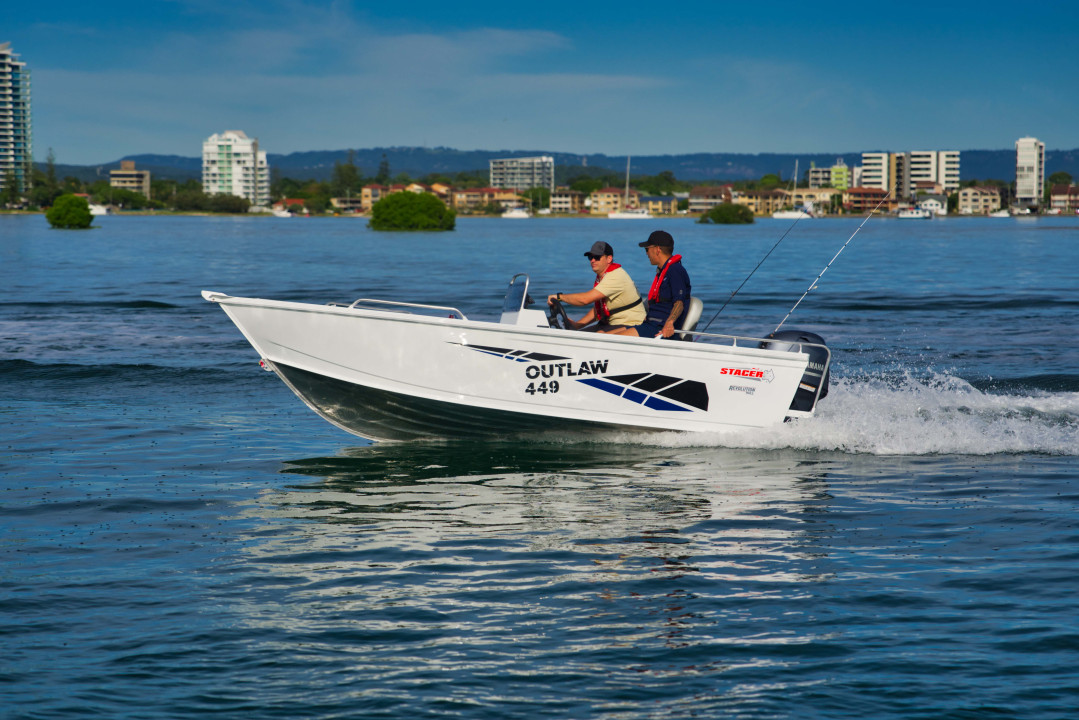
(669,297)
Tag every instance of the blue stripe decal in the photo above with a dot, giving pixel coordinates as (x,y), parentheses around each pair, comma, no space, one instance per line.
(656,404)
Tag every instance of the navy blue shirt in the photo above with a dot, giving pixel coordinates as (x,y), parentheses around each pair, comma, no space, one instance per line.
(675,287)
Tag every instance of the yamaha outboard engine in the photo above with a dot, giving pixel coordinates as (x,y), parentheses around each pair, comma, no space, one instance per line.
(816,373)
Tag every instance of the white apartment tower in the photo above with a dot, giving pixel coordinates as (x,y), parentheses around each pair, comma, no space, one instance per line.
(232,164)
(16,146)
(935,166)
(875,167)
(1029,171)
(523,173)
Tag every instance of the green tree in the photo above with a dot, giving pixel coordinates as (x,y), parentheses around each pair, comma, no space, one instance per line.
(69,212)
(347,180)
(728,214)
(411,211)
(383,177)
(10,195)
(1060,178)
(538,197)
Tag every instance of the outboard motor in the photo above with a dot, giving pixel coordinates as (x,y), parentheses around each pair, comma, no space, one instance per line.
(816,373)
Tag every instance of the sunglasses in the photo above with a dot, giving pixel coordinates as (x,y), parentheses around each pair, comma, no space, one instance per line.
(593,257)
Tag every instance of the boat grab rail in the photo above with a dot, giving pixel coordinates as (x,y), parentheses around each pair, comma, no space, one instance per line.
(417,306)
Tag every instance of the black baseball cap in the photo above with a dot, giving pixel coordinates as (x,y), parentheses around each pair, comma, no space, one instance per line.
(660,238)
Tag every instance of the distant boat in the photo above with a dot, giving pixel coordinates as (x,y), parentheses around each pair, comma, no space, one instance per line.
(914,213)
(98,209)
(802,211)
(1000,214)
(629,213)
(516,212)
(281,212)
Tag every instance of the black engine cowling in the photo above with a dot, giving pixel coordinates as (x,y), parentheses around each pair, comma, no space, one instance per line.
(816,373)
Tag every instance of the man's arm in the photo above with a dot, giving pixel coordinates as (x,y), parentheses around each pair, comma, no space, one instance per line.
(676,312)
(577,299)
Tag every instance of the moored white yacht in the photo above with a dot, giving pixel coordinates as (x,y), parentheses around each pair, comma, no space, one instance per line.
(387,370)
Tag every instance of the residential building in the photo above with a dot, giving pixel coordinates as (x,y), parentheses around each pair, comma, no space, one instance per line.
(477,198)
(659,204)
(865,199)
(820,198)
(841,175)
(762,202)
(523,173)
(876,170)
(1029,171)
(979,200)
(128,178)
(16,133)
(820,177)
(703,198)
(371,194)
(232,164)
(564,201)
(348,204)
(936,204)
(1064,199)
(935,166)
(837,176)
(612,199)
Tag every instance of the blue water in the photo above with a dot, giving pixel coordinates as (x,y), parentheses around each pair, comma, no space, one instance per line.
(180,537)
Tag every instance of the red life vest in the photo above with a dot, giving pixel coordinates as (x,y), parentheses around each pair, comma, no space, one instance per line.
(602,313)
(653,294)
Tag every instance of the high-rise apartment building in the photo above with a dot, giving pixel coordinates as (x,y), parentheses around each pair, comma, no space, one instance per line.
(935,166)
(232,164)
(1029,171)
(523,173)
(901,172)
(16,146)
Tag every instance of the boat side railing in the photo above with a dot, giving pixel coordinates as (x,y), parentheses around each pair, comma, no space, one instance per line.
(404,305)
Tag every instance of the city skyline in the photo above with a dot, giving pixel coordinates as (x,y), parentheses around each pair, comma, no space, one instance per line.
(136,78)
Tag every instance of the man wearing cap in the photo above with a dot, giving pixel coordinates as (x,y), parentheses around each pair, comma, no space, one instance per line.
(616,304)
(670,293)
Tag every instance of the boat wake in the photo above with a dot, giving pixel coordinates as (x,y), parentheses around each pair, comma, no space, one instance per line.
(938,415)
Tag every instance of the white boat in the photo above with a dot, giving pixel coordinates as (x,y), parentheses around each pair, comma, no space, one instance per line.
(1000,214)
(798,213)
(516,212)
(98,209)
(399,371)
(281,213)
(914,213)
(628,213)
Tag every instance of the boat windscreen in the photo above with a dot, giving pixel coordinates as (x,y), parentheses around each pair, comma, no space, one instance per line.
(516,294)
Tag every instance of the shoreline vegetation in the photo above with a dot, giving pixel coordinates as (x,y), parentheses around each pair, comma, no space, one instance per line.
(347,185)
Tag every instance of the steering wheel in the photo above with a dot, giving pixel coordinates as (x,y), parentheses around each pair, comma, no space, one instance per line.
(556,310)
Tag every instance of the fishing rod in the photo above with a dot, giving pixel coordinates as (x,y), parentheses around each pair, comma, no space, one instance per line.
(813,285)
(751,273)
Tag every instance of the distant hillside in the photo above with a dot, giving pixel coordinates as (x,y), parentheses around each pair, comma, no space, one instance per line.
(714,167)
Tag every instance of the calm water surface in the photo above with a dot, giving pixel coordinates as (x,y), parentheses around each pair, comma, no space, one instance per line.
(180,537)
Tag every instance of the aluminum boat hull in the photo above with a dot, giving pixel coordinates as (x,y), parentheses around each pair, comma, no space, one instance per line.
(386,375)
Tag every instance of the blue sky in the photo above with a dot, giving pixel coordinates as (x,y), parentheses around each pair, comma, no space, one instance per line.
(159,76)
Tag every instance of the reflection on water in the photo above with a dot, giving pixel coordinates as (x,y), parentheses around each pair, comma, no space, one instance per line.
(568,550)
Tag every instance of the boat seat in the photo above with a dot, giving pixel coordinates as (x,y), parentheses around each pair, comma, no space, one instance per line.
(693,314)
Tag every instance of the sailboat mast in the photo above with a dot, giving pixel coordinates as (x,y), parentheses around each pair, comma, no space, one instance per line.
(625,202)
